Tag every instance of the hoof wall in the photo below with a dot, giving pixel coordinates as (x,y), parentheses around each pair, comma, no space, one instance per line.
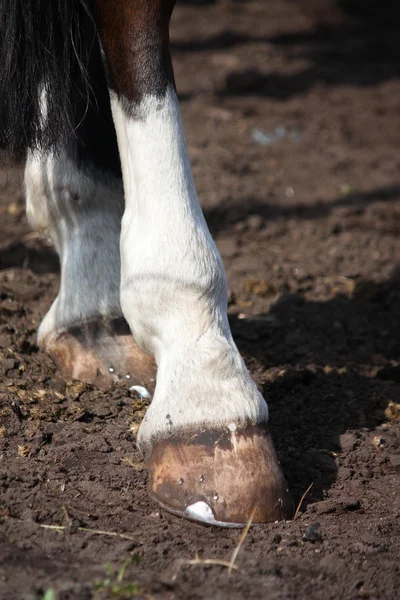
(220,477)
(101,352)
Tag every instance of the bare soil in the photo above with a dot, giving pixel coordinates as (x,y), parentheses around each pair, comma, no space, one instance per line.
(292,114)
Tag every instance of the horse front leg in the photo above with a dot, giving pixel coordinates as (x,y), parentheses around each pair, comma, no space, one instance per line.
(206,436)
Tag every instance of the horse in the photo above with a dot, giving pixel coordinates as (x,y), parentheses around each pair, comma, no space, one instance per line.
(88,99)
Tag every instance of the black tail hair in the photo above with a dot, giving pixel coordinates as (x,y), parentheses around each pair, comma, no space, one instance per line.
(44,45)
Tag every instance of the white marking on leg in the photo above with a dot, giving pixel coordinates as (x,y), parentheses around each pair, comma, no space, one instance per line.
(81,214)
(173,285)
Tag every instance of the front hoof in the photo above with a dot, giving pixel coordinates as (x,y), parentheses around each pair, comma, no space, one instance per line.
(220,477)
(101,352)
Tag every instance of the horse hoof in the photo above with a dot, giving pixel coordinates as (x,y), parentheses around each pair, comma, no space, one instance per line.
(101,352)
(224,478)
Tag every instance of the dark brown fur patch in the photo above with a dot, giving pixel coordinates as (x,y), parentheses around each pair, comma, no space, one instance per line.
(135,38)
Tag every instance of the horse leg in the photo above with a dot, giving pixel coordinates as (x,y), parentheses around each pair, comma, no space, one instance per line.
(205,433)
(75,198)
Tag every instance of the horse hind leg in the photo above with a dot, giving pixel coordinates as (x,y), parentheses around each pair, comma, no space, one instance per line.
(75,198)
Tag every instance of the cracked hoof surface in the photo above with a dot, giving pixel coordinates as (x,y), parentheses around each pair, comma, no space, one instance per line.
(219,477)
(101,352)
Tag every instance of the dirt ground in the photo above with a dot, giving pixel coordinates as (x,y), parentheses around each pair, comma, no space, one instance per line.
(292,114)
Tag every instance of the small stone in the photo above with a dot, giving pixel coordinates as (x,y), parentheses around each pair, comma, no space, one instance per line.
(255,222)
(289,192)
(312,534)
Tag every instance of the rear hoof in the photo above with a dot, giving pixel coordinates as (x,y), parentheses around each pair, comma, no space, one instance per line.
(220,477)
(101,352)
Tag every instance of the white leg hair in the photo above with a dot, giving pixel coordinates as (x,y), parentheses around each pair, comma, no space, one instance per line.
(173,286)
(80,212)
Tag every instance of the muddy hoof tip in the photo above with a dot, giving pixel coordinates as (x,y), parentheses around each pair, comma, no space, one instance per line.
(220,477)
(101,352)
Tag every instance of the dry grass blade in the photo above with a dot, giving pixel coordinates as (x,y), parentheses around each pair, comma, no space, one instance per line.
(111,533)
(88,530)
(301,500)
(240,542)
(199,561)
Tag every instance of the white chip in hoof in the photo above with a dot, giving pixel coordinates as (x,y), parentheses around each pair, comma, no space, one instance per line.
(143,393)
(201,512)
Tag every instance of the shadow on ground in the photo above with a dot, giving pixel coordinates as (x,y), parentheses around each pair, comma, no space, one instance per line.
(224,217)
(354,53)
(38,258)
(325,376)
